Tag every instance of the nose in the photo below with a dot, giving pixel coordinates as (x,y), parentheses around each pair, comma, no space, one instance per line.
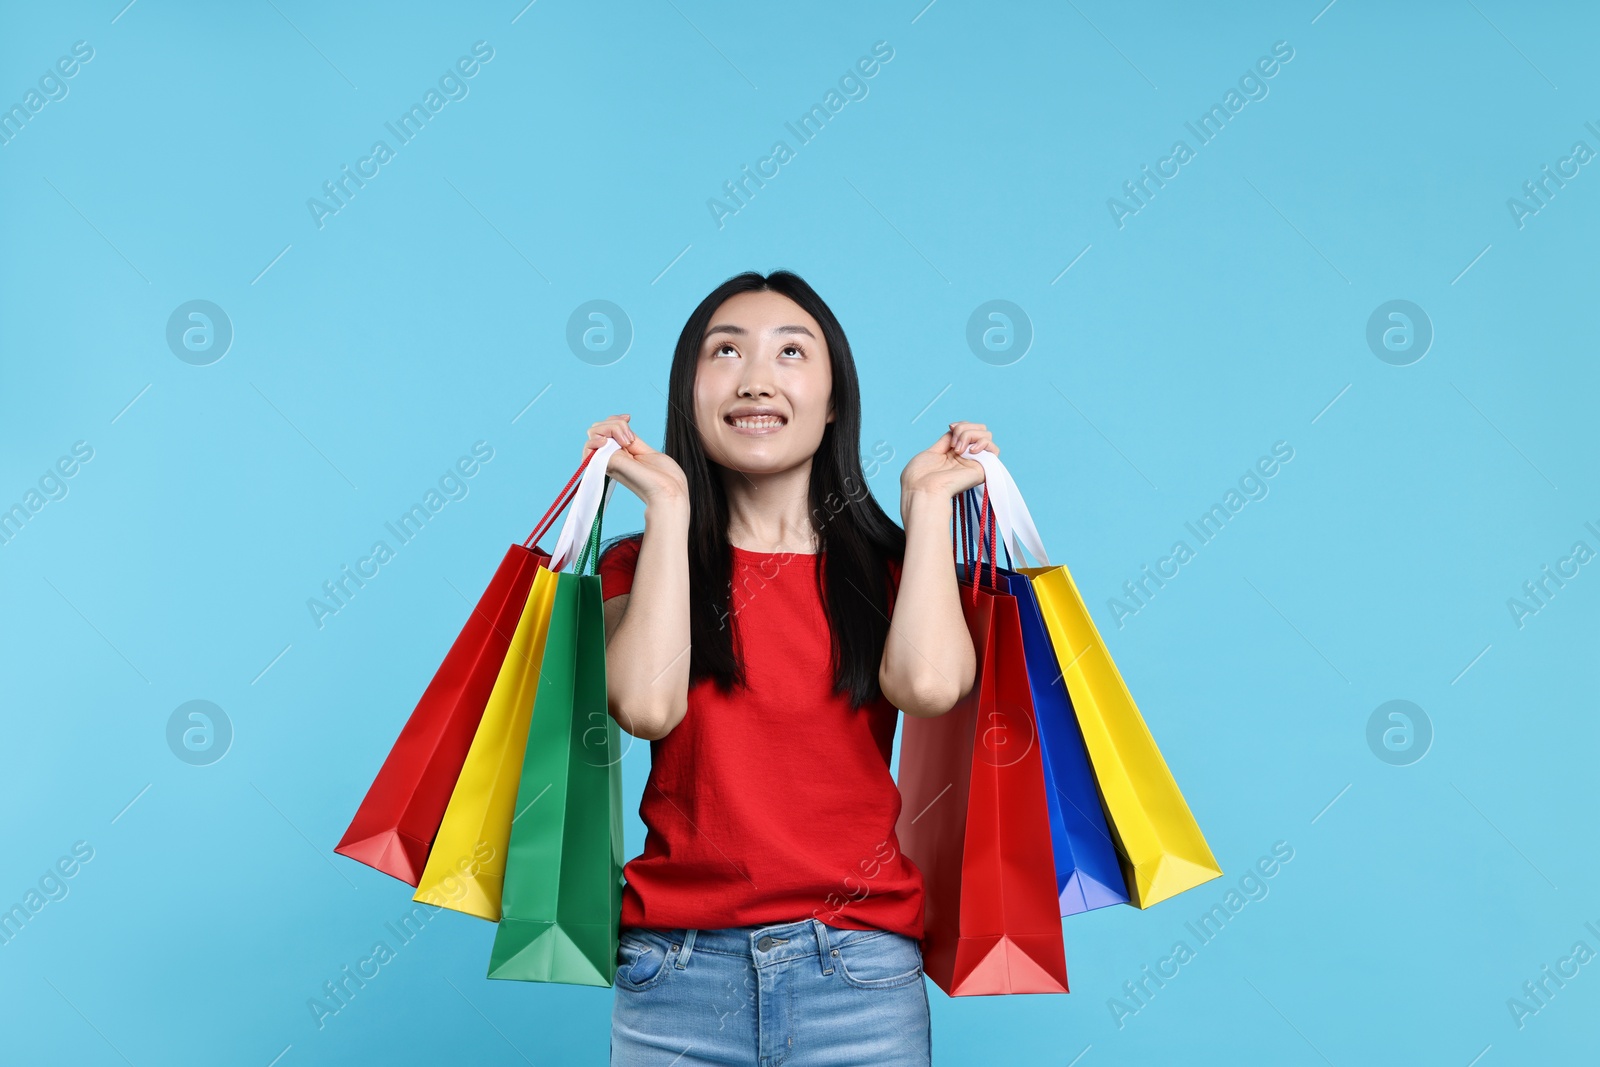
(755,380)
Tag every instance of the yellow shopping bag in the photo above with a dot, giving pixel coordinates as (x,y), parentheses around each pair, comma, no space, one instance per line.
(466,869)
(1158,841)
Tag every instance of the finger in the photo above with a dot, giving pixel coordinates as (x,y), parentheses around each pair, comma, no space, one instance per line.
(601,435)
(618,430)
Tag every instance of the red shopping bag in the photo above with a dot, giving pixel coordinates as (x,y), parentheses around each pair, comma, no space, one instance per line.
(975,819)
(394,828)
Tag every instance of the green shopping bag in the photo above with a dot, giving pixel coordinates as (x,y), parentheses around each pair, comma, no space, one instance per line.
(562,897)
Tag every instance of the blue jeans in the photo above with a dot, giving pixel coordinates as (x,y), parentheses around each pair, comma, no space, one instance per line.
(799,994)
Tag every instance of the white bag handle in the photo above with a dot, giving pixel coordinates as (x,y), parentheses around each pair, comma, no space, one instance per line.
(1013,522)
(584,507)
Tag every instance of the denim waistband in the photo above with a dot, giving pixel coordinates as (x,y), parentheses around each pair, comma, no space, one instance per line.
(765,944)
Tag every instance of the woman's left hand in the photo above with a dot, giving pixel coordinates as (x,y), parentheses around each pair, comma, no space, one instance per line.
(943,470)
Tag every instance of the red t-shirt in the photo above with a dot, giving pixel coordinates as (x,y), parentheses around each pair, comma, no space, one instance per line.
(774,802)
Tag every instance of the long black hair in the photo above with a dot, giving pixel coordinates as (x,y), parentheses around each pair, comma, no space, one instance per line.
(857,536)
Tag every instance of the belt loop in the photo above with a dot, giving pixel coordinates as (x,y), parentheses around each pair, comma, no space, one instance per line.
(688,947)
(824,951)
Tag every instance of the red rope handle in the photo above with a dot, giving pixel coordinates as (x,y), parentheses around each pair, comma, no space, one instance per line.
(562,499)
(972,547)
(984,512)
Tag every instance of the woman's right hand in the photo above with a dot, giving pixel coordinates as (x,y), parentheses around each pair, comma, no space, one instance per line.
(651,475)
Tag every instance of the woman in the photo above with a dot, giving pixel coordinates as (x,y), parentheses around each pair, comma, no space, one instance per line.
(760,633)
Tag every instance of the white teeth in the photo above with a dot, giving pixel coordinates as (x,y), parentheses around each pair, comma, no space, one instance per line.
(758,422)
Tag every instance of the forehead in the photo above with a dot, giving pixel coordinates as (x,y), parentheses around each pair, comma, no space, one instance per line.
(762,314)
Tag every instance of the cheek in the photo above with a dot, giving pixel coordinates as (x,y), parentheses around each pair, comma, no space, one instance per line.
(707,395)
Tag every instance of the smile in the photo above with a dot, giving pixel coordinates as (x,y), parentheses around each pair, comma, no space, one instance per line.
(756,424)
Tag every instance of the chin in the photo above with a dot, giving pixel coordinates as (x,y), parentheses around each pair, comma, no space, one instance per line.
(750,457)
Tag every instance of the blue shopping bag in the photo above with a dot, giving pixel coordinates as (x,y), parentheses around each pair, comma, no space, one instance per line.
(1088,875)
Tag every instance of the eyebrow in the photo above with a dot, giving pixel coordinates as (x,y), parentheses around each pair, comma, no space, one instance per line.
(741,331)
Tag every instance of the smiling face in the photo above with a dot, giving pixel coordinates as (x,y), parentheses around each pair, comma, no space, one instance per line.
(763,388)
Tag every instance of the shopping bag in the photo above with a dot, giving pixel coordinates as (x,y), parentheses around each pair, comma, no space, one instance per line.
(975,821)
(1088,873)
(1159,843)
(562,898)
(394,827)
(466,868)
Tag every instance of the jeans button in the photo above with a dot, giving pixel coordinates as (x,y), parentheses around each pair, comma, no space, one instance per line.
(765,943)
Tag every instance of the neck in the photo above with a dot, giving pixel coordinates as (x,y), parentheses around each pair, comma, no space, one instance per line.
(770,512)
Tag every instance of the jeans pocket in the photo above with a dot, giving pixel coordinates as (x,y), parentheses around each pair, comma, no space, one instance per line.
(642,960)
(882,960)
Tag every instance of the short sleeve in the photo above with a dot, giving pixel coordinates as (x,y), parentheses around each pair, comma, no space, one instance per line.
(616,567)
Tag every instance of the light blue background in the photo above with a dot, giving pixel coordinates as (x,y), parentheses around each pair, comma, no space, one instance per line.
(1228,314)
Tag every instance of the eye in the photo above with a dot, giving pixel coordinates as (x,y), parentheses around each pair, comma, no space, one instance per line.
(717,351)
(796,349)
